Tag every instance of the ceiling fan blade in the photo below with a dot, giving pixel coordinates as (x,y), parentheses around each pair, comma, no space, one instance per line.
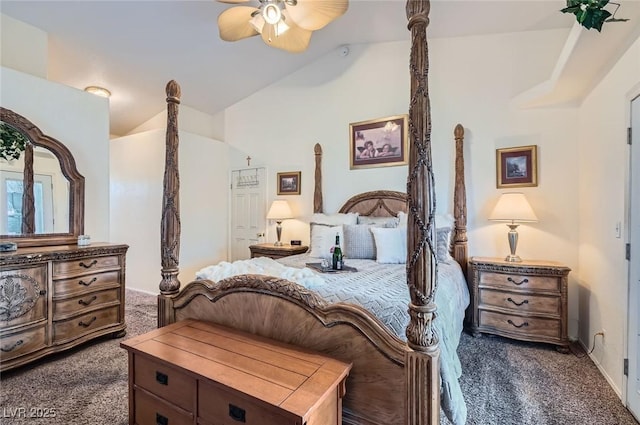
(294,40)
(234,23)
(315,14)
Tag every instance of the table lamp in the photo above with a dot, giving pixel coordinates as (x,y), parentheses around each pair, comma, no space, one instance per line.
(515,208)
(279,211)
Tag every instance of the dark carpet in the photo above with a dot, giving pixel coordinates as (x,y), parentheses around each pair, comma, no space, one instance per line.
(504,382)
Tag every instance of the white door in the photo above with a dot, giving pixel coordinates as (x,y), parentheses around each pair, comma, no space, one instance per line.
(633,380)
(248,210)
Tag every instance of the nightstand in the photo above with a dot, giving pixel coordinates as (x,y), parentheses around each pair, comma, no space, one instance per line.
(276,251)
(525,300)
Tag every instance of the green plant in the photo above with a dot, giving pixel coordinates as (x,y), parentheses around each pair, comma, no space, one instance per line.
(12,142)
(589,13)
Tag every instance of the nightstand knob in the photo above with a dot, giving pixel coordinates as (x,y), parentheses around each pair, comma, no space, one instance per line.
(518,303)
(525,280)
(525,324)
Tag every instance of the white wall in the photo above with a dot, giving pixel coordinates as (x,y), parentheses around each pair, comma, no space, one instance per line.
(473,81)
(137,169)
(603,160)
(23,47)
(79,120)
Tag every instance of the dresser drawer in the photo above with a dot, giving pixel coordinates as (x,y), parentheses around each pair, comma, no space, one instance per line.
(85,284)
(75,327)
(75,305)
(165,382)
(520,302)
(83,265)
(519,281)
(27,341)
(24,296)
(219,406)
(532,327)
(152,411)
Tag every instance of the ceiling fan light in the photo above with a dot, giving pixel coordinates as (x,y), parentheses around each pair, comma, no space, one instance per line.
(257,22)
(271,13)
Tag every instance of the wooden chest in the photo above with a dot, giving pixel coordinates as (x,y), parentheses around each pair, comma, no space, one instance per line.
(194,372)
(525,300)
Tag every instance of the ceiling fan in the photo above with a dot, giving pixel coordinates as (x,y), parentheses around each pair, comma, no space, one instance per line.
(284,24)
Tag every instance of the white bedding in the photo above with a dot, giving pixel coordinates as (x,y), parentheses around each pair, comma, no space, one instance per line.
(381,289)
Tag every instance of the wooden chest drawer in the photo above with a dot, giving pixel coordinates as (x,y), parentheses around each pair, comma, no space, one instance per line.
(75,327)
(219,406)
(151,410)
(520,302)
(164,381)
(72,306)
(84,265)
(84,284)
(519,281)
(14,345)
(523,326)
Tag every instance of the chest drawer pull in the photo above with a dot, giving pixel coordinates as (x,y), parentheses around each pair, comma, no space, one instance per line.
(12,347)
(518,303)
(236,413)
(88,266)
(92,299)
(162,378)
(161,420)
(525,280)
(524,324)
(82,282)
(86,325)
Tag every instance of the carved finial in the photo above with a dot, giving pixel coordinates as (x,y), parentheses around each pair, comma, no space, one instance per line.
(173,91)
(317,149)
(458,132)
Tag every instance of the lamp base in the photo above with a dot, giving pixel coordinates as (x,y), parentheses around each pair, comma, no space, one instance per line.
(278,243)
(513,259)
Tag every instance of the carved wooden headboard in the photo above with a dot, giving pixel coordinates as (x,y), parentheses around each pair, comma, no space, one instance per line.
(378,203)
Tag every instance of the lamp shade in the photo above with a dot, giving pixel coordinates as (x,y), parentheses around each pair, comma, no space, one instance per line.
(279,210)
(513,207)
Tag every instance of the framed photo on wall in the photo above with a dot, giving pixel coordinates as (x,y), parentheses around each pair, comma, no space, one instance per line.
(381,142)
(517,167)
(289,183)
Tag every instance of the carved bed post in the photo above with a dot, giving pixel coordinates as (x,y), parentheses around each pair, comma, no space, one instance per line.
(170,225)
(460,203)
(317,191)
(423,356)
(28,199)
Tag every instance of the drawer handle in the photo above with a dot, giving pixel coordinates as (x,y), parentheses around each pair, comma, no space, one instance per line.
(15,345)
(518,303)
(82,282)
(162,378)
(161,420)
(92,299)
(525,324)
(86,325)
(88,266)
(236,413)
(525,280)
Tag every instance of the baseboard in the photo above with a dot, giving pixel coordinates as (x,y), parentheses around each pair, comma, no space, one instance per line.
(603,372)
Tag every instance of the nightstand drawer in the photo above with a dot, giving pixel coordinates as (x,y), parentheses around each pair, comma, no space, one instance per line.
(523,326)
(165,382)
(151,410)
(519,281)
(520,302)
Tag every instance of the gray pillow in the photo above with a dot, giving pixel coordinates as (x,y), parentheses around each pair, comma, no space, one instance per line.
(443,244)
(359,242)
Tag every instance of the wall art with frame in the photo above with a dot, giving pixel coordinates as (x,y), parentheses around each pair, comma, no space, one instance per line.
(517,167)
(381,142)
(289,183)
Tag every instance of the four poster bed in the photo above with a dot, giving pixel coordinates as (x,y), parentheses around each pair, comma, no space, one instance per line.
(395,378)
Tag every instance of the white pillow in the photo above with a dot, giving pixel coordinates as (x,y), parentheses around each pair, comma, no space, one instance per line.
(378,221)
(391,244)
(402,219)
(445,220)
(323,238)
(334,219)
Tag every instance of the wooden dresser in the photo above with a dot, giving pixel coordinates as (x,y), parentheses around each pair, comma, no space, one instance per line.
(55,297)
(276,251)
(525,300)
(193,372)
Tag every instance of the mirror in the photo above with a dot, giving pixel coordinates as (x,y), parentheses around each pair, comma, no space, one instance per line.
(41,191)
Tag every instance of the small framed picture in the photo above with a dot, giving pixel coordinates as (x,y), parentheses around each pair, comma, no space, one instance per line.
(289,183)
(517,167)
(381,142)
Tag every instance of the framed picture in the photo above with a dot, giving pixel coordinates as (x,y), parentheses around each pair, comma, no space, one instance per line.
(382,142)
(289,183)
(517,167)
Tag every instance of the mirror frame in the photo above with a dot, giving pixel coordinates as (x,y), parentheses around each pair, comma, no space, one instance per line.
(69,170)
